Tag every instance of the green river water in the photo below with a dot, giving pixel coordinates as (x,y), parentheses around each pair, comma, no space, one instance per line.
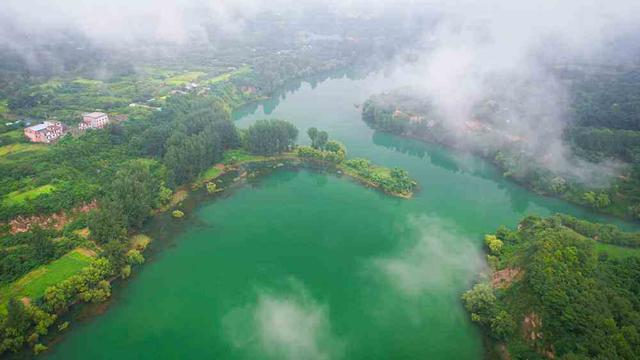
(303,265)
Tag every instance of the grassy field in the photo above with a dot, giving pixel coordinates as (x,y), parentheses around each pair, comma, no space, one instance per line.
(34,283)
(13,136)
(4,106)
(87,82)
(18,148)
(616,252)
(184,78)
(211,173)
(240,156)
(226,76)
(230,157)
(18,197)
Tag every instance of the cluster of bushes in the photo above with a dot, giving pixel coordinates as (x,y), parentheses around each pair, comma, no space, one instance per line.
(23,325)
(91,285)
(394,180)
(380,115)
(605,233)
(23,252)
(335,153)
(485,309)
(322,148)
(564,299)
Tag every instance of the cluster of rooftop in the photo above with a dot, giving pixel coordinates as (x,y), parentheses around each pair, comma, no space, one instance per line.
(50,131)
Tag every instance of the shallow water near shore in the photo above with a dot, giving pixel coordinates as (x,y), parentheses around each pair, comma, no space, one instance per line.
(305,265)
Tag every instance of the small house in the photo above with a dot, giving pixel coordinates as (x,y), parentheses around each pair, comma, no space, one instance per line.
(46,132)
(94,120)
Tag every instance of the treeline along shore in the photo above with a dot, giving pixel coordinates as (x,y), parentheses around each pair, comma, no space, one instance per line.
(131,171)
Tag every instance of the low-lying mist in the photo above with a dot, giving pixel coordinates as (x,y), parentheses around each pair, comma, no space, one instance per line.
(492,57)
(491,73)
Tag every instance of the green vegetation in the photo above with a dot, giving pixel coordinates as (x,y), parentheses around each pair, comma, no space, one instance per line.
(23,252)
(607,99)
(615,251)
(239,156)
(243,71)
(19,148)
(394,181)
(605,131)
(34,284)
(212,188)
(12,137)
(211,173)
(87,82)
(39,348)
(20,196)
(140,242)
(270,137)
(555,291)
(131,169)
(184,78)
(90,285)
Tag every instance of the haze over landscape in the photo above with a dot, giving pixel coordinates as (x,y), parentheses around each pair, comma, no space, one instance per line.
(319,179)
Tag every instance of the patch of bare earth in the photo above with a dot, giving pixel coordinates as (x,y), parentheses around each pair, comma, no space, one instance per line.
(531,328)
(84,232)
(503,352)
(531,325)
(504,278)
(57,221)
(86,252)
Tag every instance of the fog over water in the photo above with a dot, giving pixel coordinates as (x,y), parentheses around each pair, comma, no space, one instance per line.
(468,54)
(509,53)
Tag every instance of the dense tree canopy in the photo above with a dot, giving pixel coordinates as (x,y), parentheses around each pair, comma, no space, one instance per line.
(581,304)
(268,137)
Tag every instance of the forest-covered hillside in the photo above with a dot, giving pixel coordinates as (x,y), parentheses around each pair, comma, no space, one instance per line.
(560,288)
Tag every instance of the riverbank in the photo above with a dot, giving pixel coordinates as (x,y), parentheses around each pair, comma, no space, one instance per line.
(237,165)
(239,162)
(618,199)
(341,242)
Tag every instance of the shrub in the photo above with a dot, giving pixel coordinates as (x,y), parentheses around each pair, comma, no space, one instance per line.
(38,348)
(493,243)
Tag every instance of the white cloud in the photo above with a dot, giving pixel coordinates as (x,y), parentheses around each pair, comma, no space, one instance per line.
(284,325)
(438,257)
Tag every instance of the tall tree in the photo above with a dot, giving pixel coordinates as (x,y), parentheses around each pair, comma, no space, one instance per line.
(322,139)
(268,137)
(136,189)
(313,135)
(108,223)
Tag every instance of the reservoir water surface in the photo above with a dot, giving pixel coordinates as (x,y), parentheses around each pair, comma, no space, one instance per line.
(304,265)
